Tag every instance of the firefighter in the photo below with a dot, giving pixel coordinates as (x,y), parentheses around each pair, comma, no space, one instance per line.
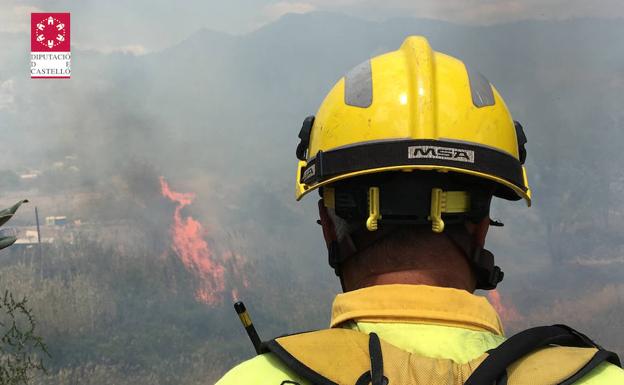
(407,151)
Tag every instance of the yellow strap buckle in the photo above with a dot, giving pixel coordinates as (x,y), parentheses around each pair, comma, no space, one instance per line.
(374,213)
(446,202)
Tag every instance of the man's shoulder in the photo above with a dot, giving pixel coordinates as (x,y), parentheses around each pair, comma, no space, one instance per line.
(264,369)
(604,374)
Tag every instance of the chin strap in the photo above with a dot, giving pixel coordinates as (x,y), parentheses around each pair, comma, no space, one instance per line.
(482,261)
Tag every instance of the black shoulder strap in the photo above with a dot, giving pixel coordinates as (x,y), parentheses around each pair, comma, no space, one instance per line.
(494,366)
(374,376)
(297,366)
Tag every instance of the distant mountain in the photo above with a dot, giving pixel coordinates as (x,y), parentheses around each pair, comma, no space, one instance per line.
(231,106)
(231,95)
(251,92)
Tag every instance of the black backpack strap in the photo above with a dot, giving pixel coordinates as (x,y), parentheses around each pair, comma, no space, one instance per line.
(297,366)
(493,368)
(333,356)
(375,376)
(600,357)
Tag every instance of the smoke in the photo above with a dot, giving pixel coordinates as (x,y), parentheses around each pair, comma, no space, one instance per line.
(507,311)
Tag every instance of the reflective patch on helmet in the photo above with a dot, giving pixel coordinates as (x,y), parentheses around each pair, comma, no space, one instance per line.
(437,152)
(480,88)
(359,86)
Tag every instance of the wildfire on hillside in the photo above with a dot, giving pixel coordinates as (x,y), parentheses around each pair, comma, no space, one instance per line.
(189,243)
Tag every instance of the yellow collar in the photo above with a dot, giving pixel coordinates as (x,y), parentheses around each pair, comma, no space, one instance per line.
(416,304)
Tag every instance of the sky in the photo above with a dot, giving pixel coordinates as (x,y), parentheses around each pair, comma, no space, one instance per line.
(142,26)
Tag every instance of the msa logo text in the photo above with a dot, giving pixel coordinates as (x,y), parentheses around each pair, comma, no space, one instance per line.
(309,173)
(437,152)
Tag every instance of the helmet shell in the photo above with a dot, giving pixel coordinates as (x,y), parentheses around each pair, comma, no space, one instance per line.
(414,109)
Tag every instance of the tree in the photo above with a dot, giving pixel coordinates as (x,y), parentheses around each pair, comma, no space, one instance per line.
(21,348)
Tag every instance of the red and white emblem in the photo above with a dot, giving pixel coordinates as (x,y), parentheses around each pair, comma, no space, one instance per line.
(50,32)
(50,45)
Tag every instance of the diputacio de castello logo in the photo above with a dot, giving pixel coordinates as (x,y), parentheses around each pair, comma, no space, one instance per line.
(50,45)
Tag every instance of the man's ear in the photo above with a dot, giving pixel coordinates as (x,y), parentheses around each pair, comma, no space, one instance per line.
(479,230)
(326,222)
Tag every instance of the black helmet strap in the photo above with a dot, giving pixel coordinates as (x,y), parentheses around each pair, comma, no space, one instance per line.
(488,275)
(482,261)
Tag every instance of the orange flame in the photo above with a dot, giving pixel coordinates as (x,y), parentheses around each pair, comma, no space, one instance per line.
(193,250)
(507,313)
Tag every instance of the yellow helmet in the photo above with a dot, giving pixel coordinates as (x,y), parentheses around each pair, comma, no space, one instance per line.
(412,137)
(413,109)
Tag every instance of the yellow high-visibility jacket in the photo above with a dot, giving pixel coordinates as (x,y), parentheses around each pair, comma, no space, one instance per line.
(428,321)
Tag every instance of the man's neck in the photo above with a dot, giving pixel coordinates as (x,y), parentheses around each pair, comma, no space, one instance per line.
(440,278)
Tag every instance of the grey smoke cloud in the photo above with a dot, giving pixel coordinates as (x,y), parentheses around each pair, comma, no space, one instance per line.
(142,26)
(480,12)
